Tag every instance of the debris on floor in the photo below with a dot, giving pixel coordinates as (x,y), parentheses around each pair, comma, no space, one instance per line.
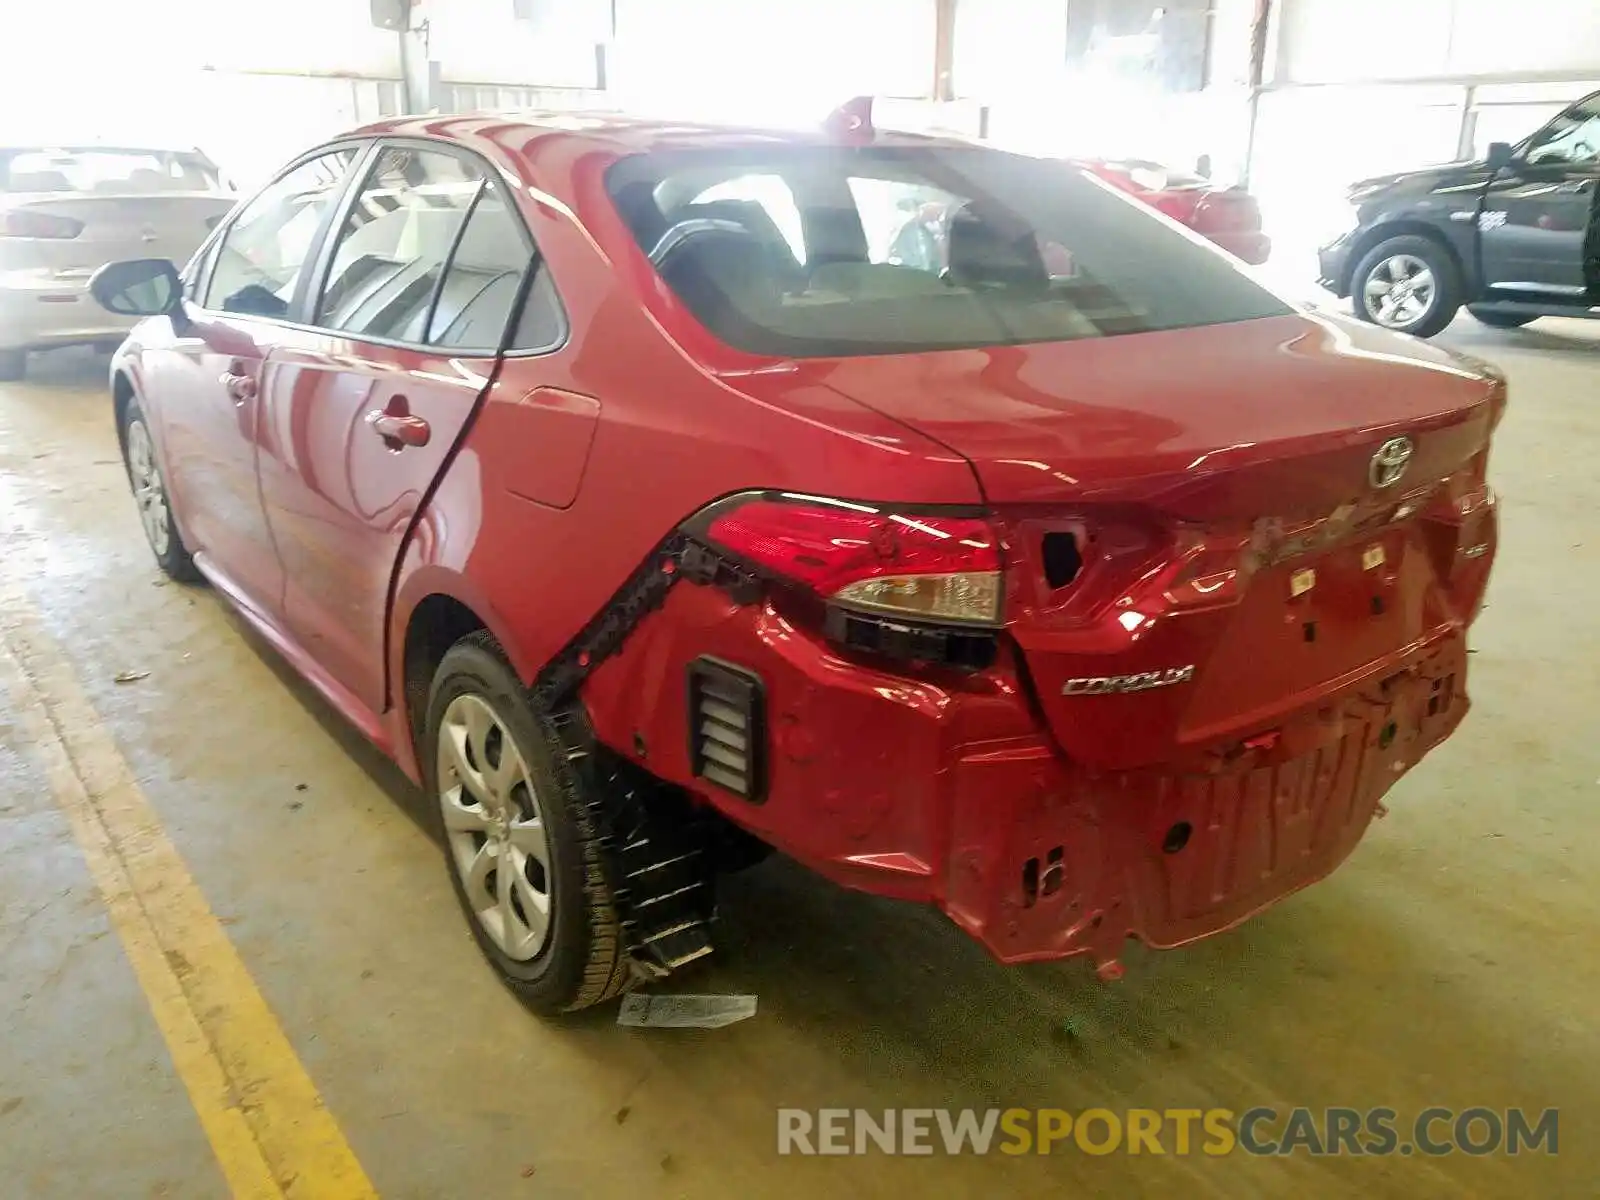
(130,676)
(642,1011)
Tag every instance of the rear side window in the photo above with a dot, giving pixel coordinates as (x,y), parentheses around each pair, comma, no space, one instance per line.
(431,254)
(480,288)
(893,249)
(391,252)
(258,263)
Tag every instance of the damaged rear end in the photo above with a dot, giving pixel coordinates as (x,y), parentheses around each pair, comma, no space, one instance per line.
(1197,599)
(1238,619)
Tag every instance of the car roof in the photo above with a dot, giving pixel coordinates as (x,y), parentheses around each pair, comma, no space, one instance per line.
(620,133)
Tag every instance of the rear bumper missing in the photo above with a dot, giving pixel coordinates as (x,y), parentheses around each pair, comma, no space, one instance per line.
(1081,862)
(952,791)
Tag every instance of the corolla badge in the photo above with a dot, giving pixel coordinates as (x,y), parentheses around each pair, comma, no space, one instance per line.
(1389,463)
(1110,685)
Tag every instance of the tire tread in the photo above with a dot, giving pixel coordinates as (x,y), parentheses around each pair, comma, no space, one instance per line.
(606,971)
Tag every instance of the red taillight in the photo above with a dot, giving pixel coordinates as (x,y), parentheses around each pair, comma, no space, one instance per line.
(1227,213)
(30,223)
(919,566)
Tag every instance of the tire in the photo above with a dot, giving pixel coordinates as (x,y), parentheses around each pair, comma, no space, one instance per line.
(150,494)
(1411,255)
(478,712)
(1500,320)
(13,365)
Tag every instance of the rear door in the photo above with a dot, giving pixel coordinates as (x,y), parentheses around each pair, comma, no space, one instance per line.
(1538,211)
(206,383)
(362,408)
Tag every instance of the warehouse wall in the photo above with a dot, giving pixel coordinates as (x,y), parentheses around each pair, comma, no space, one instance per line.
(1026,61)
(479,41)
(1328,41)
(777,60)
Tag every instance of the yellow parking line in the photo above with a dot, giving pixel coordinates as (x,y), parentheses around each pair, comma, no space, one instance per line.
(267,1125)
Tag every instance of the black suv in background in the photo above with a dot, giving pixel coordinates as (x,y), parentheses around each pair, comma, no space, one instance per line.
(1513,237)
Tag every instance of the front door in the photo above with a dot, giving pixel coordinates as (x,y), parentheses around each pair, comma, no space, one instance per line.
(1538,212)
(361,412)
(210,382)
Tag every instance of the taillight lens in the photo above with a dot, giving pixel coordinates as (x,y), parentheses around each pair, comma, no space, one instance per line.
(913,565)
(30,223)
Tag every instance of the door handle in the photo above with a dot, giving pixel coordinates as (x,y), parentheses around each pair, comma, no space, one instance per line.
(399,429)
(240,388)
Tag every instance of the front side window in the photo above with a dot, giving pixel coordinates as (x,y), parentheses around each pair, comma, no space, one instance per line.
(260,259)
(910,248)
(1572,138)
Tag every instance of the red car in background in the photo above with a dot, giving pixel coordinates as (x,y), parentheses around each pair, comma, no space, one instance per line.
(1230,217)
(617,480)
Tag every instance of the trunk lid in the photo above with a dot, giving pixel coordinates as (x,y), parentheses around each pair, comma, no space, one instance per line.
(1201,536)
(1276,414)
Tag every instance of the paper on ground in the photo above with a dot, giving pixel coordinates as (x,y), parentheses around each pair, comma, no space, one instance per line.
(645,1011)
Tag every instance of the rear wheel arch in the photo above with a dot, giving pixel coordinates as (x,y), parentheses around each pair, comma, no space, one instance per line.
(438,622)
(434,610)
(122,395)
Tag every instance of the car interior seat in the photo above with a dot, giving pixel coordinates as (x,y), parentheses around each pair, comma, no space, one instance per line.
(725,259)
(988,249)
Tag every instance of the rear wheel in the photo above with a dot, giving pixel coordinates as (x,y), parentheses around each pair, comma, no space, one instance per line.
(13,365)
(523,850)
(1500,320)
(150,494)
(1409,284)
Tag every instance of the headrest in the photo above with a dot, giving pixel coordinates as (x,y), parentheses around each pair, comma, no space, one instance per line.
(749,213)
(994,247)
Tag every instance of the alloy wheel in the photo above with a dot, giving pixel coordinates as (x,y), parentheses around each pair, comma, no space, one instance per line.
(148,493)
(495,830)
(1400,291)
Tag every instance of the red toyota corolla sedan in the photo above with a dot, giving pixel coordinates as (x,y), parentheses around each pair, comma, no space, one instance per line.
(610,477)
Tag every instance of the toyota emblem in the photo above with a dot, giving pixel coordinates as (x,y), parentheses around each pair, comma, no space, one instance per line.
(1390,462)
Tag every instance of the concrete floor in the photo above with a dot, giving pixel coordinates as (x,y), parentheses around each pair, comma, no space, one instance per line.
(1453,961)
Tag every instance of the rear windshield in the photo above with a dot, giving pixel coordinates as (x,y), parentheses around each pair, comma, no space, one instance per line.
(104,171)
(807,251)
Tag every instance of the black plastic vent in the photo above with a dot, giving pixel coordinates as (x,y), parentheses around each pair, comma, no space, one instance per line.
(727,727)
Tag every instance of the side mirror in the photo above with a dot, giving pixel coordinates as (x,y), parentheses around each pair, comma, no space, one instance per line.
(1501,155)
(144,287)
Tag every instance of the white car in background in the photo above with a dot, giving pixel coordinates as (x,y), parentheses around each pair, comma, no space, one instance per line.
(65,211)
